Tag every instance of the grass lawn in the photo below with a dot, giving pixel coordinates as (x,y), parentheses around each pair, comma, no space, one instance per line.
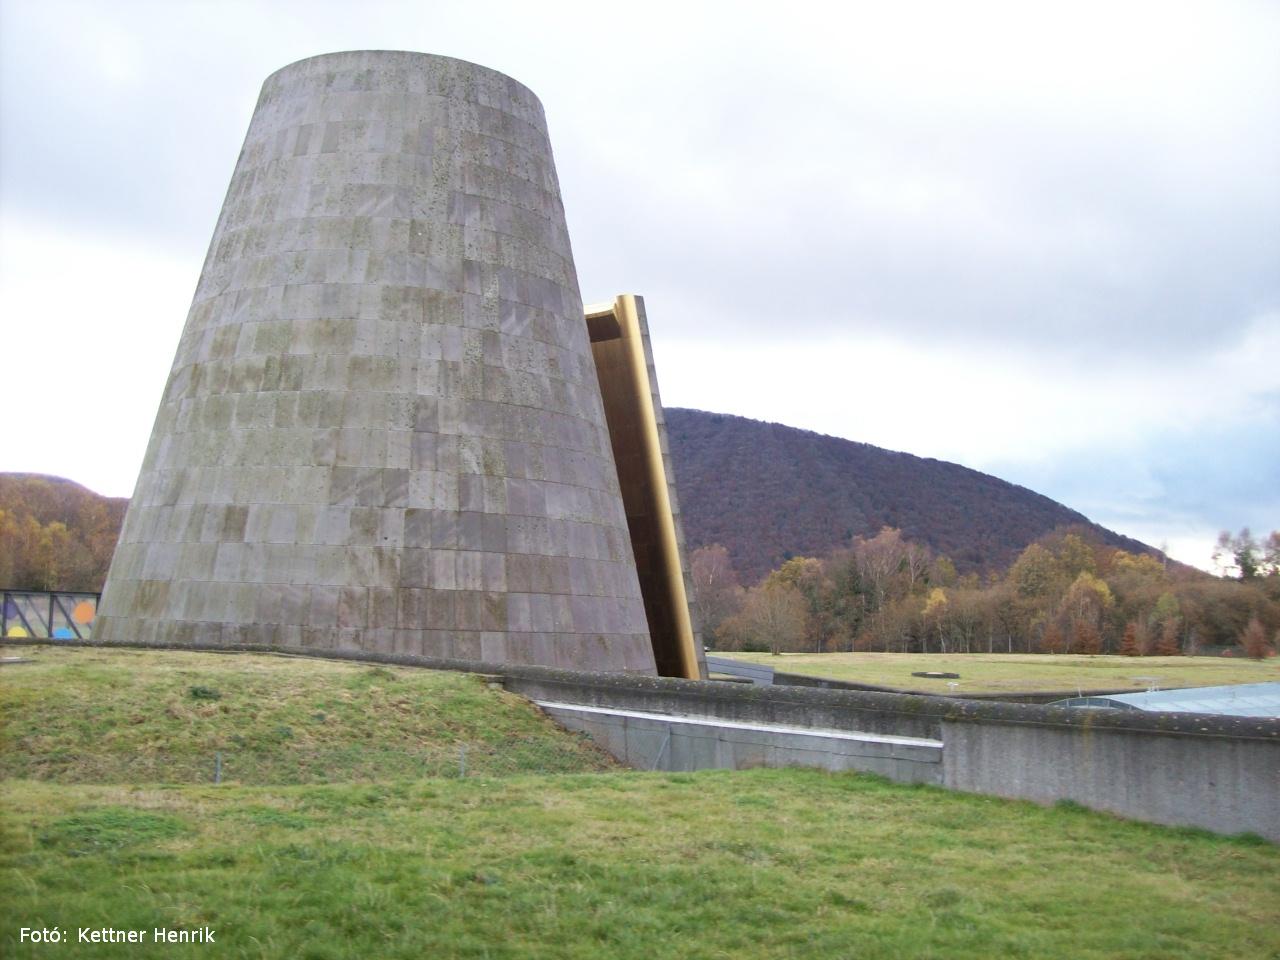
(82,715)
(746,864)
(996,672)
(384,862)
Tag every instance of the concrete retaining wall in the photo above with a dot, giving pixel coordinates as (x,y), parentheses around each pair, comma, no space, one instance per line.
(1219,773)
(1004,696)
(1221,783)
(763,674)
(873,713)
(742,669)
(655,741)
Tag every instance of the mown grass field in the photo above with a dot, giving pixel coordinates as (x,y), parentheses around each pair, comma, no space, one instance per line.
(612,863)
(78,715)
(751,864)
(1003,672)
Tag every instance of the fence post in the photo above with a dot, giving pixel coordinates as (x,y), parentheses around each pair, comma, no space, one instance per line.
(217,767)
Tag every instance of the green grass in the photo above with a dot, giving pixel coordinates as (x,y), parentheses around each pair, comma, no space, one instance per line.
(748,864)
(1002,672)
(78,715)
(385,862)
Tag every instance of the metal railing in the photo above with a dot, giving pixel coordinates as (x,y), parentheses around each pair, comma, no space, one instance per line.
(40,614)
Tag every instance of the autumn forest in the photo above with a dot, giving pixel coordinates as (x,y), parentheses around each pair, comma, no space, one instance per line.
(1071,590)
(1067,592)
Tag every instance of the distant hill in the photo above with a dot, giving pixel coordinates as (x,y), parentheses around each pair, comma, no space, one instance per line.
(766,492)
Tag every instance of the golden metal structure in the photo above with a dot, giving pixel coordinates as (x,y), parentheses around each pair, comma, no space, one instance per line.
(619,335)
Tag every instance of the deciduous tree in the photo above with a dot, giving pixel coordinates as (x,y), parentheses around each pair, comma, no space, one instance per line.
(773,618)
(1052,641)
(1087,639)
(1167,645)
(717,594)
(1241,554)
(1129,642)
(935,613)
(1254,640)
(1036,573)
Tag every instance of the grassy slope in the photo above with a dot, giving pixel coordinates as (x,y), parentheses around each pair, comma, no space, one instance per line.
(991,673)
(118,716)
(748,864)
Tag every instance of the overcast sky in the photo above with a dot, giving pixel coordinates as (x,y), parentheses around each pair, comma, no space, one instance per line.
(1038,239)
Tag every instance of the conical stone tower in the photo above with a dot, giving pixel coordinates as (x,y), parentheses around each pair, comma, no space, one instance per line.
(383,429)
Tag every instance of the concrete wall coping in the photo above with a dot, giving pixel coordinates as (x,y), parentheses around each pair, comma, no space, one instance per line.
(825,732)
(787,679)
(925,706)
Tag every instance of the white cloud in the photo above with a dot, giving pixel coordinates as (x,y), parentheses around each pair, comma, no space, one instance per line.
(1025,237)
(1158,451)
(91,326)
(976,405)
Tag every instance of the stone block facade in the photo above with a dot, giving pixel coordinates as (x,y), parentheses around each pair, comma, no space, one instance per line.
(383,429)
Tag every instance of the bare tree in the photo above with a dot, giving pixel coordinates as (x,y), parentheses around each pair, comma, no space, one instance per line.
(717,595)
(774,614)
(878,559)
(1254,640)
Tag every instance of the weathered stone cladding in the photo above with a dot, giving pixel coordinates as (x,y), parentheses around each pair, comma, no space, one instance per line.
(383,429)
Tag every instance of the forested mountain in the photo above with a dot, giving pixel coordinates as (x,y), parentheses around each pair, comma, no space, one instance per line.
(768,492)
